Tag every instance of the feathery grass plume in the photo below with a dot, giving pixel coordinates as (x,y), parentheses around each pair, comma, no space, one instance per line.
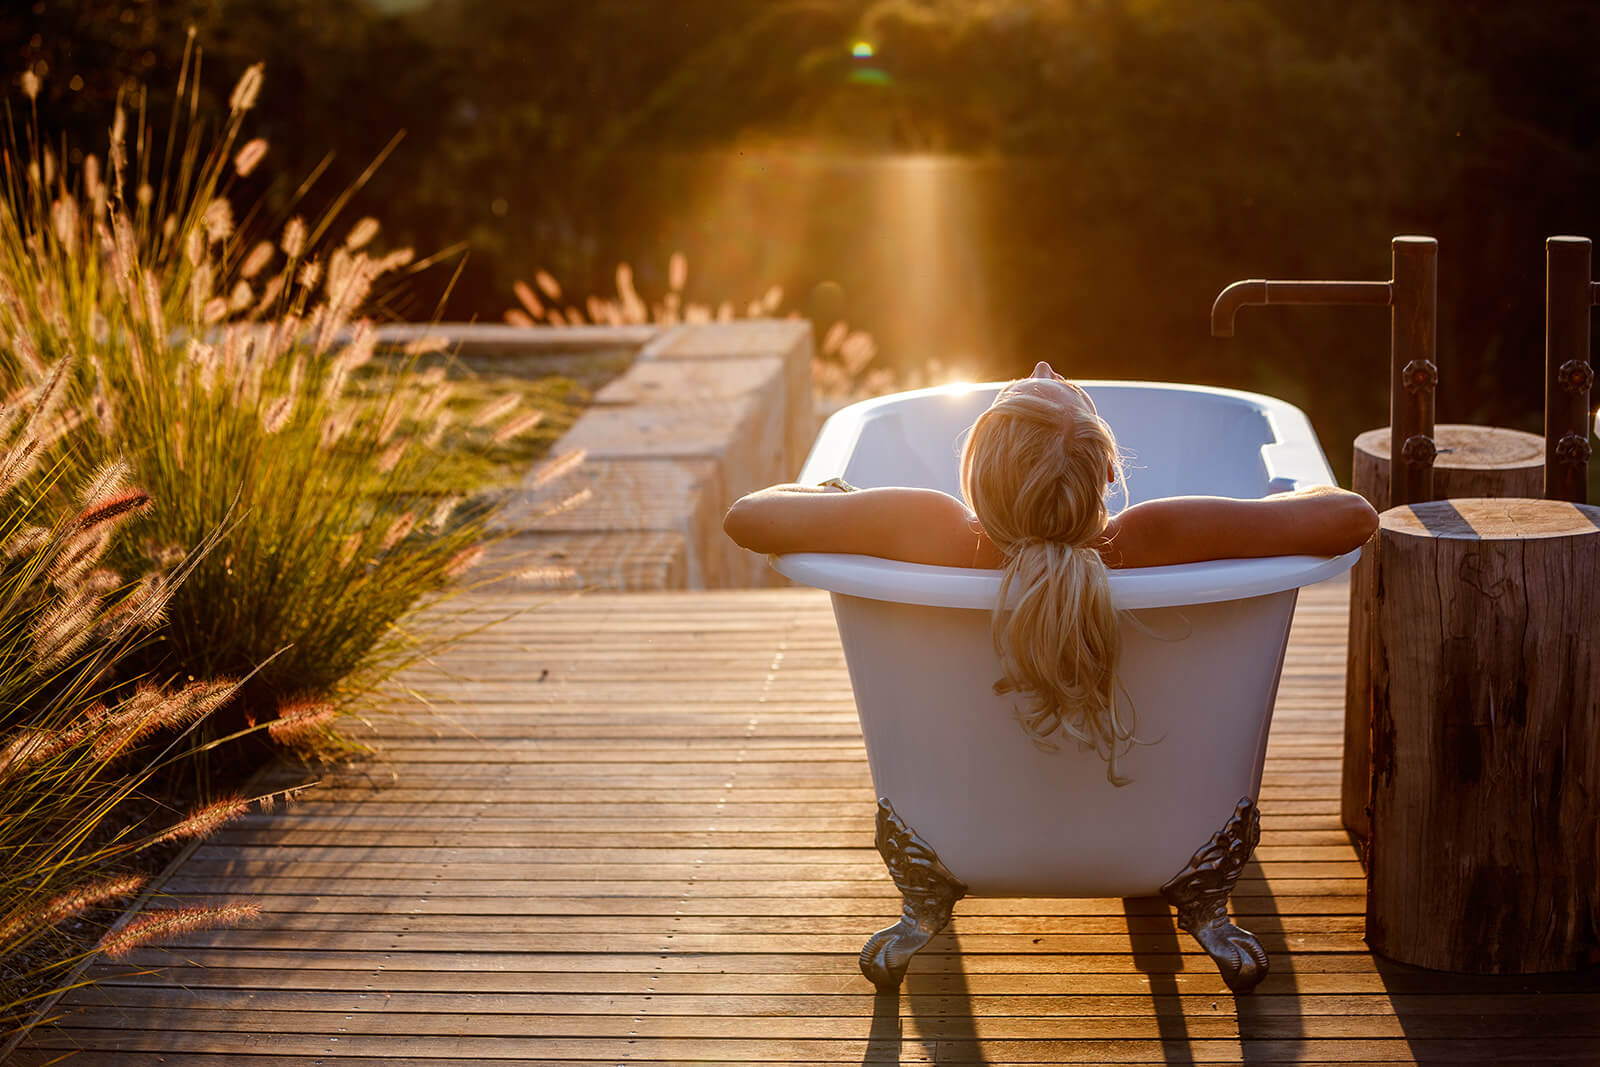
(574,500)
(19,462)
(391,456)
(399,530)
(294,238)
(66,905)
(30,84)
(441,423)
(548,576)
(247,89)
(336,426)
(517,318)
(160,924)
(517,427)
(32,746)
(426,344)
(64,217)
(257,260)
(272,291)
(277,414)
(528,298)
(112,508)
(144,608)
(362,233)
(102,580)
(299,722)
(834,338)
(558,467)
(434,400)
(62,629)
(207,820)
(677,271)
(348,547)
(204,697)
(151,710)
(496,410)
(26,541)
(363,341)
(162,262)
(463,561)
(250,156)
(390,421)
(548,285)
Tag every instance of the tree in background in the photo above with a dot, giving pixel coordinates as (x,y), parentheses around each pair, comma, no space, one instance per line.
(1130,157)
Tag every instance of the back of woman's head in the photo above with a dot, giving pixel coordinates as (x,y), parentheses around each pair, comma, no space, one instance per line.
(1035,468)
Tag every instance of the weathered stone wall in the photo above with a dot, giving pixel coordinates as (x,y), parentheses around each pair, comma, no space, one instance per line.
(705,414)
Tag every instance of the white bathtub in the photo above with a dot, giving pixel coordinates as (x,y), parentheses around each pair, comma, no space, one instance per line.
(1203,646)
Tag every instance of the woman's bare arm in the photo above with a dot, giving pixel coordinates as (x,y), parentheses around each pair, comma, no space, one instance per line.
(927,526)
(913,525)
(1323,521)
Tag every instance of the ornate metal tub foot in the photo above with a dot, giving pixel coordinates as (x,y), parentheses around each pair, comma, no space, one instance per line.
(1200,893)
(929,890)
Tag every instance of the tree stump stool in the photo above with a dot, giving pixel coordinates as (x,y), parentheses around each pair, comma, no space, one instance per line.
(1472,461)
(1485,842)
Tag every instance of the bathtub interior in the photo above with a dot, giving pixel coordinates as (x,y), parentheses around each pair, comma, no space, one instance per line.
(1011,819)
(1179,440)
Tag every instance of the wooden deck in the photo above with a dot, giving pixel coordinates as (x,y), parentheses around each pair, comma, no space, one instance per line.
(641,832)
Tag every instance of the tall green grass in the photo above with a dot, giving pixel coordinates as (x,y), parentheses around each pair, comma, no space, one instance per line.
(225,354)
(81,735)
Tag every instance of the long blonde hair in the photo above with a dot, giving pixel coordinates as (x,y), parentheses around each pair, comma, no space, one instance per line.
(1035,472)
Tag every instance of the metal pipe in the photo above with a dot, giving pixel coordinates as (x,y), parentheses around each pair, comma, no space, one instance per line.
(1412,293)
(1413,372)
(1569,293)
(1259,291)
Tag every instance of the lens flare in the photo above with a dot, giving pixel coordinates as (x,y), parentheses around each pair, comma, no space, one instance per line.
(862,50)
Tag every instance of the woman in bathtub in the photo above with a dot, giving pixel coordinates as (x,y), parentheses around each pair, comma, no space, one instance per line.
(1036,469)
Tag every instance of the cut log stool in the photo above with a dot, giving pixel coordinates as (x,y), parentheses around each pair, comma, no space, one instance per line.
(1472,461)
(1485,841)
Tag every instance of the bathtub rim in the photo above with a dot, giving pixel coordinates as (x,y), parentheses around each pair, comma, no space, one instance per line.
(1293,460)
(1133,588)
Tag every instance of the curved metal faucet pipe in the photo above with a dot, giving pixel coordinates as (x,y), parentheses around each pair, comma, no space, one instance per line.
(1412,295)
(1569,294)
(1259,291)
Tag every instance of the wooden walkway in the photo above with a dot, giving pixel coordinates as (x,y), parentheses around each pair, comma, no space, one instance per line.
(641,832)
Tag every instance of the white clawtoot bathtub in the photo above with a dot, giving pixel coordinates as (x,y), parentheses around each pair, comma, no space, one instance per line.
(968,804)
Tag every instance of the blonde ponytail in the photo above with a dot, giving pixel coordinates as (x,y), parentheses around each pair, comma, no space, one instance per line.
(1034,471)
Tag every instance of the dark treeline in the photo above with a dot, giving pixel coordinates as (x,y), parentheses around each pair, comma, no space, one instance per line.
(1123,160)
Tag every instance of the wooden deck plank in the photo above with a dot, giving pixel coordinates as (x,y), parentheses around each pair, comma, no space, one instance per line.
(667,857)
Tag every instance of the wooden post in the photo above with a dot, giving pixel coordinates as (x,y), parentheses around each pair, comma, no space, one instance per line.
(1472,461)
(1486,736)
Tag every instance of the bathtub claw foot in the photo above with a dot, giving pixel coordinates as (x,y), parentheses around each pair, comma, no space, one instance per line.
(929,892)
(1200,893)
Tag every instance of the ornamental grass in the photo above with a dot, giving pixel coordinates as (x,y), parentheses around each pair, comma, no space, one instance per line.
(82,733)
(225,352)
